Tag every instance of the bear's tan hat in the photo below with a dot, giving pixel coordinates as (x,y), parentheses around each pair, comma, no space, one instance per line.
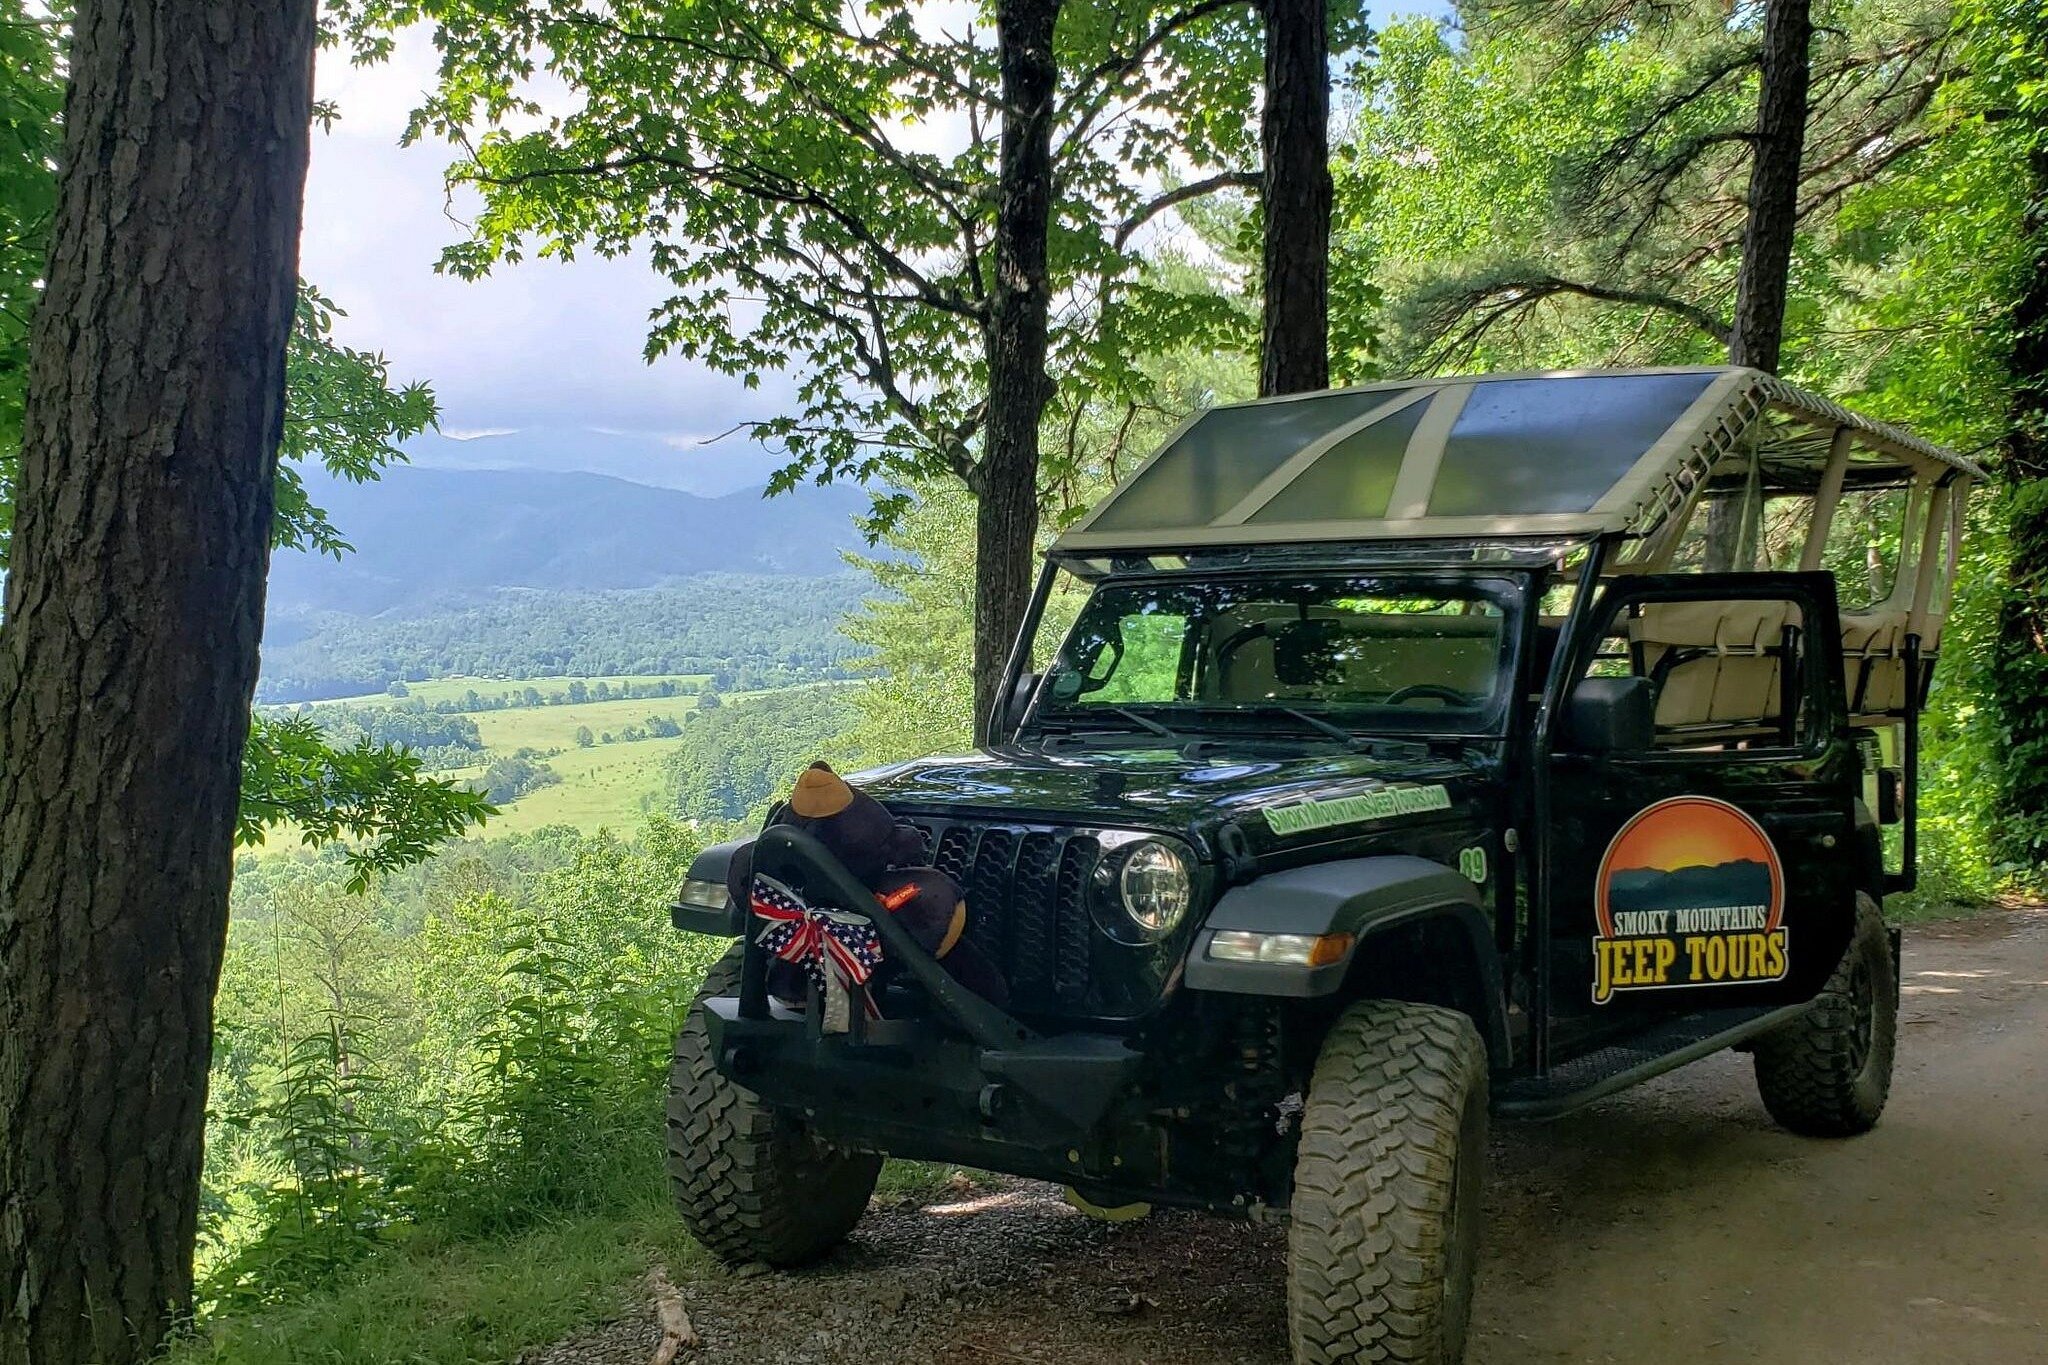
(820,792)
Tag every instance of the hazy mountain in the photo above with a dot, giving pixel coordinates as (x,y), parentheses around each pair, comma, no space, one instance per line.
(1742,882)
(424,534)
(642,457)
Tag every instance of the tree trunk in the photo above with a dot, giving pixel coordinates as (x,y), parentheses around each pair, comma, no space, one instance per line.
(1784,71)
(1294,350)
(134,605)
(1006,511)
(2019,661)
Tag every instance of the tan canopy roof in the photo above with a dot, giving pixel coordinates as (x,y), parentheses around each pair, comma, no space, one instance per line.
(1576,452)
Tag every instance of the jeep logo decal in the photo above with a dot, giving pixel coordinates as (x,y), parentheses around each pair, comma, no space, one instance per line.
(1350,810)
(1689,893)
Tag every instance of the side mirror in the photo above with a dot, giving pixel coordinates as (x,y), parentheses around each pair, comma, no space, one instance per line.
(1891,795)
(1018,702)
(1611,715)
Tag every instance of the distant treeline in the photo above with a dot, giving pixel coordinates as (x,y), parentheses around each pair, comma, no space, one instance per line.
(736,757)
(577,692)
(441,741)
(767,631)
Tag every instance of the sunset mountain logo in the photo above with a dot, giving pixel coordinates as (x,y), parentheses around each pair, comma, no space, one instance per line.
(1689,893)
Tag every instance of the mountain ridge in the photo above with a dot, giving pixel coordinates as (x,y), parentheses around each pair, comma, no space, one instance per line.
(1739,881)
(423,533)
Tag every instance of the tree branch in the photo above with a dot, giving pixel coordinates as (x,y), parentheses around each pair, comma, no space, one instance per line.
(1118,65)
(766,56)
(1181,194)
(1458,318)
(762,183)
(1109,73)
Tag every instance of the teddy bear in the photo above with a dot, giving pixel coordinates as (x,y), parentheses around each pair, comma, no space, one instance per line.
(885,857)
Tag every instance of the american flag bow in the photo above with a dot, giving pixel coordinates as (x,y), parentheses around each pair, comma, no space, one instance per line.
(816,939)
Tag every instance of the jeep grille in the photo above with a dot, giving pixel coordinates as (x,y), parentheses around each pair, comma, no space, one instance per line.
(1027,903)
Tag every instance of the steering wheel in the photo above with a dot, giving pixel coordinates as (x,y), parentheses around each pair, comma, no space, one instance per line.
(1443,692)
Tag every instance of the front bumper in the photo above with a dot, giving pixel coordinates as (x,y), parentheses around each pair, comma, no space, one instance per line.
(972,1084)
(1042,1107)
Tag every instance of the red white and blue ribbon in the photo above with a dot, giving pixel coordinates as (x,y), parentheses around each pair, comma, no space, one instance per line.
(816,940)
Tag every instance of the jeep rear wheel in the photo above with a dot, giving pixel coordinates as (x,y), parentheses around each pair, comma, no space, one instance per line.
(1829,1072)
(1384,1229)
(751,1184)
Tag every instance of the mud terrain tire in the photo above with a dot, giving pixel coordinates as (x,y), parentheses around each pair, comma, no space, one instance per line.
(751,1185)
(1385,1213)
(1828,1072)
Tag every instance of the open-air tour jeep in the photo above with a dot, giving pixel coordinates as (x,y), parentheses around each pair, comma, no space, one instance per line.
(1416,751)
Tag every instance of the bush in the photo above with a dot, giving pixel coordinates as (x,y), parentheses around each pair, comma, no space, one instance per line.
(495,1060)
(509,778)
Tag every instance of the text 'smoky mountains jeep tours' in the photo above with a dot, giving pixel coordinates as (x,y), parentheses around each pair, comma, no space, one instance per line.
(1416,751)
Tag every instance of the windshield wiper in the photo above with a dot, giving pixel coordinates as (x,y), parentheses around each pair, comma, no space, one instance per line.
(1076,724)
(1336,732)
(1139,718)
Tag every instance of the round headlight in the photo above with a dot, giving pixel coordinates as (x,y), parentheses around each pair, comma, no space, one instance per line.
(1156,887)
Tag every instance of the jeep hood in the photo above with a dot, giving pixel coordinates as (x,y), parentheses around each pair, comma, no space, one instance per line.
(1150,787)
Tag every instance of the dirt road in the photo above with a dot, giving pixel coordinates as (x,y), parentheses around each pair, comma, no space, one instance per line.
(1671,1224)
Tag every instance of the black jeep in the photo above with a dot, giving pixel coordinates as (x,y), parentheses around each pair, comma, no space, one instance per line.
(1415,751)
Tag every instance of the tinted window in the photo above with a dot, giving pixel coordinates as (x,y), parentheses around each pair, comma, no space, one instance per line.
(1224,456)
(1354,478)
(1366,652)
(1529,446)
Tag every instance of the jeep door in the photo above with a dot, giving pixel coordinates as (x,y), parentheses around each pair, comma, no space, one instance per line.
(1702,848)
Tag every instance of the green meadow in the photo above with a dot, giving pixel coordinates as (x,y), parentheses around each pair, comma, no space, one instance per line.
(611,785)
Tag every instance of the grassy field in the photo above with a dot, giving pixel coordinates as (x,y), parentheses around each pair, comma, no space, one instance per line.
(461,1303)
(605,785)
(554,727)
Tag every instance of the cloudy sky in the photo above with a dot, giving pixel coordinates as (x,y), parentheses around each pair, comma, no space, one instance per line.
(538,365)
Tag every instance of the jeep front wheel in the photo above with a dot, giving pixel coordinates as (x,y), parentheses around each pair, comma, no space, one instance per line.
(1384,1229)
(751,1184)
(1829,1072)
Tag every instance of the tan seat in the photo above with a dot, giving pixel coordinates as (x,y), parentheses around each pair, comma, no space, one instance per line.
(1874,659)
(1716,660)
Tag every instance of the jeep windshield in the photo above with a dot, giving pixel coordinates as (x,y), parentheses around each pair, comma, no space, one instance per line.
(1314,655)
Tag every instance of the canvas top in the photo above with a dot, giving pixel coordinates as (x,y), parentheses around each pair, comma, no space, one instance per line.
(1558,453)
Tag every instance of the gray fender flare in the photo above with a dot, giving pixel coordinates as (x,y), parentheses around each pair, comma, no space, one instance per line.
(1364,897)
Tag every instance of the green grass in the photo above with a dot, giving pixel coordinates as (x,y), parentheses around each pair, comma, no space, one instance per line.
(462,1303)
(554,727)
(468,1303)
(604,786)
(600,787)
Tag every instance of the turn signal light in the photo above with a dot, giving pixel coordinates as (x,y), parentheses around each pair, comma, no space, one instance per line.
(1292,950)
(704,895)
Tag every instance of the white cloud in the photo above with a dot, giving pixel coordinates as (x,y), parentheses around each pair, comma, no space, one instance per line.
(543,344)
